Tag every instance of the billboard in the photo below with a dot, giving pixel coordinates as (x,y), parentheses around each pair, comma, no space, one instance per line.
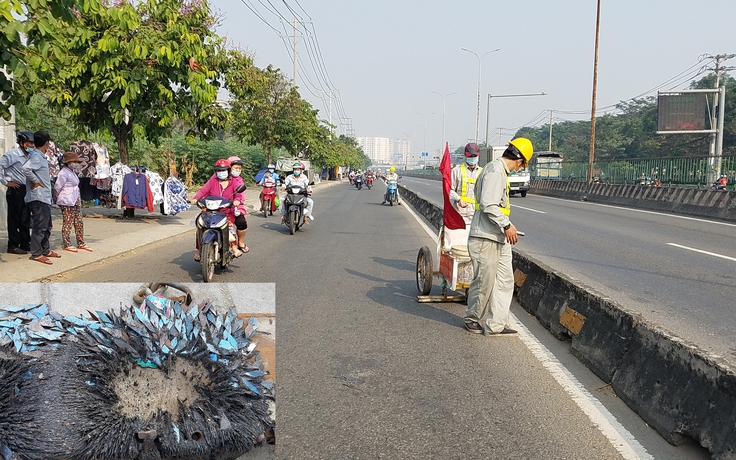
(682,112)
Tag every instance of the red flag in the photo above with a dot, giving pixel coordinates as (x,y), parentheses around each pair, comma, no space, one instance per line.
(453,219)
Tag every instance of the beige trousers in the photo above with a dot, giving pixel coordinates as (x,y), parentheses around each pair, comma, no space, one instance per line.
(492,287)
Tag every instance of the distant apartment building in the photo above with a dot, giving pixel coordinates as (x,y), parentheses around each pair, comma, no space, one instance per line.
(383,150)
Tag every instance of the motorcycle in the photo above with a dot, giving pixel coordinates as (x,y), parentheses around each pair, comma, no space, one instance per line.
(392,192)
(269,195)
(369,182)
(295,203)
(359,182)
(215,234)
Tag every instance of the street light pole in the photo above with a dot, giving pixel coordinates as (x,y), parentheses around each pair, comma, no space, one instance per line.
(595,93)
(488,108)
(406,157)
(443,96)
(425,129)
(480,67)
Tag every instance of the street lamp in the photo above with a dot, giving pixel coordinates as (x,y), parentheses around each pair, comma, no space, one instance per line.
(480,66)
(443,96)
(488,107)
(425,129)
(406,156)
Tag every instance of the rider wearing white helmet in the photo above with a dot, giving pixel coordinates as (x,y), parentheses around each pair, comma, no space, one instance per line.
(300,179)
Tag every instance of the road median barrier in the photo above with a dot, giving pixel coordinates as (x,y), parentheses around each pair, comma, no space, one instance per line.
(713,204)
(677,388)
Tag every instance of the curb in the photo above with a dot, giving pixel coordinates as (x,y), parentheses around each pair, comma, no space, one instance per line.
(672,385)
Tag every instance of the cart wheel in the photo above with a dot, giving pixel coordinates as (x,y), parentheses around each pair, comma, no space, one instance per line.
(424,271)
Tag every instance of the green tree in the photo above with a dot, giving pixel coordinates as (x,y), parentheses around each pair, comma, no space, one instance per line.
(132,68)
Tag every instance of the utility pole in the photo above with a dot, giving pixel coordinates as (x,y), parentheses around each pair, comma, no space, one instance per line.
(595,90)
(550,130)
(714,160)
(295,39)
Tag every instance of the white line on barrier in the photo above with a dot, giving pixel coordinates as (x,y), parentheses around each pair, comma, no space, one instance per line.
(588,203)
(619,437)
(703,252)
(516,206)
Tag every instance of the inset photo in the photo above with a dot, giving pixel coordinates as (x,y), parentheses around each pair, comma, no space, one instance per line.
(137,371)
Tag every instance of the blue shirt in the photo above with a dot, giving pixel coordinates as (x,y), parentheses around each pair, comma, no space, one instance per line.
(36,171)
(11,166)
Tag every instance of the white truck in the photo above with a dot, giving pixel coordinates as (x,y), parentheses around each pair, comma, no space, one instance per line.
(519,180)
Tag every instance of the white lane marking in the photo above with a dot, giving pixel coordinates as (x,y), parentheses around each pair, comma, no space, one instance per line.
(421,222)
(619,437)
(703,252)
(623,208)
(516,206)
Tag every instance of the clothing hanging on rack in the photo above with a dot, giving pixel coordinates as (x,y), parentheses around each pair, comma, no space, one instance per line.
(102,163)
(156,183)
(175,196)
(137,192)
(87,156)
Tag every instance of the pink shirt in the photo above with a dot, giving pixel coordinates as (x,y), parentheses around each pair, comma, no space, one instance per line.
(67,187)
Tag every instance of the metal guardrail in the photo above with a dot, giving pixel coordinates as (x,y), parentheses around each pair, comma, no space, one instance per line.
(669,171)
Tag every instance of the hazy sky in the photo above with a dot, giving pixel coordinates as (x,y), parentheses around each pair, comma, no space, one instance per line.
(386,57)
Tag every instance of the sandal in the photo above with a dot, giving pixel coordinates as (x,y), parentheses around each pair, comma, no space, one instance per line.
(53,254)
(84,248)
(70,249)
(244,249)
(196,256)
(236,252)
(42,259)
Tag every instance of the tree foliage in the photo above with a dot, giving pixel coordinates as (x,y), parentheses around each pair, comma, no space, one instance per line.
(632,132)
(132,68)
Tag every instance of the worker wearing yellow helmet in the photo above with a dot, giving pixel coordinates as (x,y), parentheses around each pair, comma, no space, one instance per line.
(489,244)
(391,180)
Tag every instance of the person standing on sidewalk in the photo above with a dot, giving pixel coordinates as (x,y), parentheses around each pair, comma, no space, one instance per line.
(489,244)
(38,198)
(68,199)
(462,193)
(11,176)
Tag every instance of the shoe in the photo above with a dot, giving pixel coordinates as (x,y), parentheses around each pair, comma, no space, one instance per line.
(42,259)
(505,333)
(16,251)
(473,327)
(311,217)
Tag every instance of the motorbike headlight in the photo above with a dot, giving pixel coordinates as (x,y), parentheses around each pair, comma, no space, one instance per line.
(212,205)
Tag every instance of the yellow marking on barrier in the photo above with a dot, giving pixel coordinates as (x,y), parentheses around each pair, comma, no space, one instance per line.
(572,320)
(519,277)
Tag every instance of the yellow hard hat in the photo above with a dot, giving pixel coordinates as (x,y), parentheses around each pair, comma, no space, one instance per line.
(524,146)
(392,168)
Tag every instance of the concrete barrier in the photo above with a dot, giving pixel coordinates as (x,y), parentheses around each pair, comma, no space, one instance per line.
(675,387)
(429,210)
(688,201)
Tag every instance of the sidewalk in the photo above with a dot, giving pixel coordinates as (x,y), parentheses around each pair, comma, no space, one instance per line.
(108,235)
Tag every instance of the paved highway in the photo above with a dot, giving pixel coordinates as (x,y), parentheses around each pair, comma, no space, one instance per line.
(367,372)
(678,272)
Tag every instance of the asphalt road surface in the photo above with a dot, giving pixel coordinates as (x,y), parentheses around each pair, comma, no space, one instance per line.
(367,372)
(647,261)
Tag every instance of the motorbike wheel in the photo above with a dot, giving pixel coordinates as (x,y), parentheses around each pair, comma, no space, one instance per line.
(207,260)
(266,207)
(293,216)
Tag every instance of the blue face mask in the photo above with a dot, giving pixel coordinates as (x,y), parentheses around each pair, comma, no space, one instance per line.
(271,171)
(297,173)
(472,161)
(235,173)
(222,175)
